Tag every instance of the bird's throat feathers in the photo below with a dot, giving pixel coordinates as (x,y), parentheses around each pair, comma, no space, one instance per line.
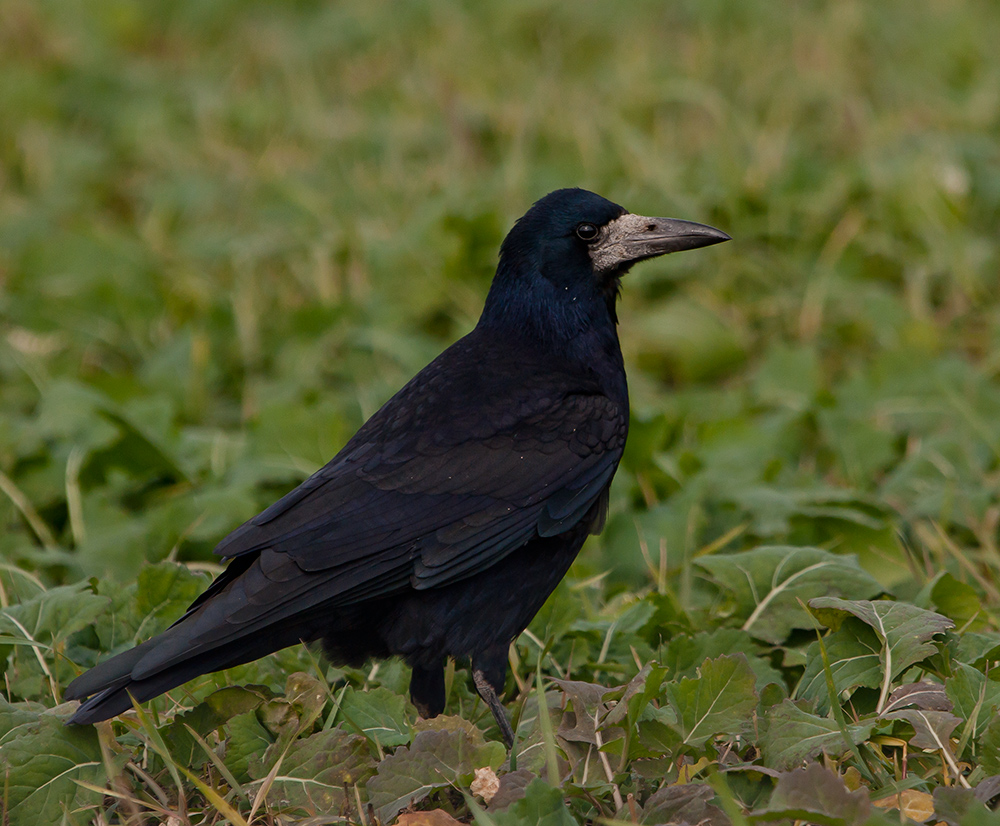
(552,311)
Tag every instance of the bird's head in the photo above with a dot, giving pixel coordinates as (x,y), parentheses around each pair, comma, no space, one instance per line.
(574,246)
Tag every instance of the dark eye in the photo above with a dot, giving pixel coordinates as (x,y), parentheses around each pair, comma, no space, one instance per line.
(586,232)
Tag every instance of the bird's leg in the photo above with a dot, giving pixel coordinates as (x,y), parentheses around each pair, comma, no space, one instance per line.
(427,690)
(489,694)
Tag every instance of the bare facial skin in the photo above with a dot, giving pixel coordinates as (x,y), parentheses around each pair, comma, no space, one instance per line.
(633,238)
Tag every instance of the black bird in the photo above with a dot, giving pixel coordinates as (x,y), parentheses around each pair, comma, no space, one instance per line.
(444,523)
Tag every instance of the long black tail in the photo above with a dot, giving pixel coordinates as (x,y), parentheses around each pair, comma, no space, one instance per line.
(229,625)
(112,685)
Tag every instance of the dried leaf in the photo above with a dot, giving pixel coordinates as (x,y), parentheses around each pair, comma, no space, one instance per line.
(486,784)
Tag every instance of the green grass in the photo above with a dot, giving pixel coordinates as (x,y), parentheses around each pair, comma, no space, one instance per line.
(229,231)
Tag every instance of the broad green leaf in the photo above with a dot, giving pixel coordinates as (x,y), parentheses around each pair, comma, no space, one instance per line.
(816,795)
(165,585)
(55,614)
(71,410)
(767,585)
(957,806)
(445,753)
(307,695)
(974,695)
(923,695)
(317,771)
(542,805)
(904,631)
(632,699)
(246,739)
(659,734)
(863,448)
(618,637)
(215,710)
(855,654)
(585,711)
(16,720)
(774,510)
(685,653)
(977,648)
(379,714)
(960,602)
(294,713)
(791,736)
(931,729)
(684,803)
(49,619)
(41,758)
(988,747)
(718,701)
(692,340)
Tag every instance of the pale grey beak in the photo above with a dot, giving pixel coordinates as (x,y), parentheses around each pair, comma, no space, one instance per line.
(634,238)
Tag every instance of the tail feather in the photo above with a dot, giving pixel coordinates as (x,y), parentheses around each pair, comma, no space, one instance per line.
(116,695)
(113,672)
(223,628)
(114,688)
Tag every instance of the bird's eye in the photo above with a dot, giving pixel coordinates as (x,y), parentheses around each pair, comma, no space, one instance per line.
(586,232)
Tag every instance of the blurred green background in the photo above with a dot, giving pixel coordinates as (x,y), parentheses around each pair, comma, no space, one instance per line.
(230,230)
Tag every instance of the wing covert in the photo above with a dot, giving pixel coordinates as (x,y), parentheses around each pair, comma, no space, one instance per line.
(438,506)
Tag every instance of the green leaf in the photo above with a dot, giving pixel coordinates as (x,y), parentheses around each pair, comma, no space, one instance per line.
(959,602)
(767,585)
(988,747)
(307,696)
(542,805)
(691,340)
(215,710)
(447,751)
(956,806)
(975,696)
(774,510)
(632,699)
(585,709)
(685,653)
(41,758)
(931,729)
(787,377)
(923,695)
(658,734)
(855,654)
(904,631)
(316,771)
(719,701)
(378,713)
(977,648)
(684,803)
(816,795)
(246,740)
(792,736)
(864,449)
(55,614)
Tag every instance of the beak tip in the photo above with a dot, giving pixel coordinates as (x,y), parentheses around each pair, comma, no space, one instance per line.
(707,236)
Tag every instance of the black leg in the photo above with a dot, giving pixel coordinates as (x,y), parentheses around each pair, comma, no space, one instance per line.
(489,670)
(427,690)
